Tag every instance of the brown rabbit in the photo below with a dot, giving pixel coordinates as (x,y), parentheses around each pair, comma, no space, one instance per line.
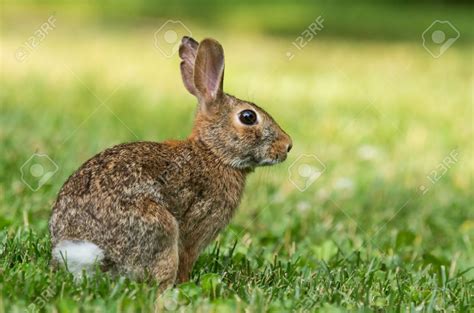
(151,208)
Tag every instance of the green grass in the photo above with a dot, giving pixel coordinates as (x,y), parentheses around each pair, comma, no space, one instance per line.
(381,116)
(367,19)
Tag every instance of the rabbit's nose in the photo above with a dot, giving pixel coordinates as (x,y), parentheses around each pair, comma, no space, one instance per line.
(288,147)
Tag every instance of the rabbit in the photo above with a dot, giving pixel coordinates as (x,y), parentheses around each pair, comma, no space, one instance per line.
(148,209)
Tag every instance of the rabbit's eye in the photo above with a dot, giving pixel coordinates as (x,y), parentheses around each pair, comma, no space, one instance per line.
(248,117)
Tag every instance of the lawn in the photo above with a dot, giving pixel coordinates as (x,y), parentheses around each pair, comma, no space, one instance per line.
(388,225)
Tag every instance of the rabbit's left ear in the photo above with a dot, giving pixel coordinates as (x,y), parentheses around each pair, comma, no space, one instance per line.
(209,71)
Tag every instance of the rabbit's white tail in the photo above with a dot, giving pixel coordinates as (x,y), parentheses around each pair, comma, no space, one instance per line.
(79,256)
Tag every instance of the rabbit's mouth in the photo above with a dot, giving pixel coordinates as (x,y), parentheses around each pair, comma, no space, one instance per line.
(252,161)
(272,157)
(267,162)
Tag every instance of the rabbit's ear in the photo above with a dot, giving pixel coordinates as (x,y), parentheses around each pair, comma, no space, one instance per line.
(187,52)
(209,70)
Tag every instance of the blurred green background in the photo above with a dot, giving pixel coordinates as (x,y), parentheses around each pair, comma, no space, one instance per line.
(387,119)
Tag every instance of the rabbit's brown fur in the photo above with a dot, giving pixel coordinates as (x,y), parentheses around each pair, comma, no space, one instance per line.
(153,207)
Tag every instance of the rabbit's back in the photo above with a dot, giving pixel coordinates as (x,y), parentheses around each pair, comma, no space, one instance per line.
(146,190)
(117,195)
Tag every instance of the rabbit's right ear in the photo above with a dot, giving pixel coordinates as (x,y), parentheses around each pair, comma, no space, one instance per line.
(187,52)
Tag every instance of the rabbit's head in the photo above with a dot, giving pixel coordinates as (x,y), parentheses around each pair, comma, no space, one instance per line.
(239,132)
